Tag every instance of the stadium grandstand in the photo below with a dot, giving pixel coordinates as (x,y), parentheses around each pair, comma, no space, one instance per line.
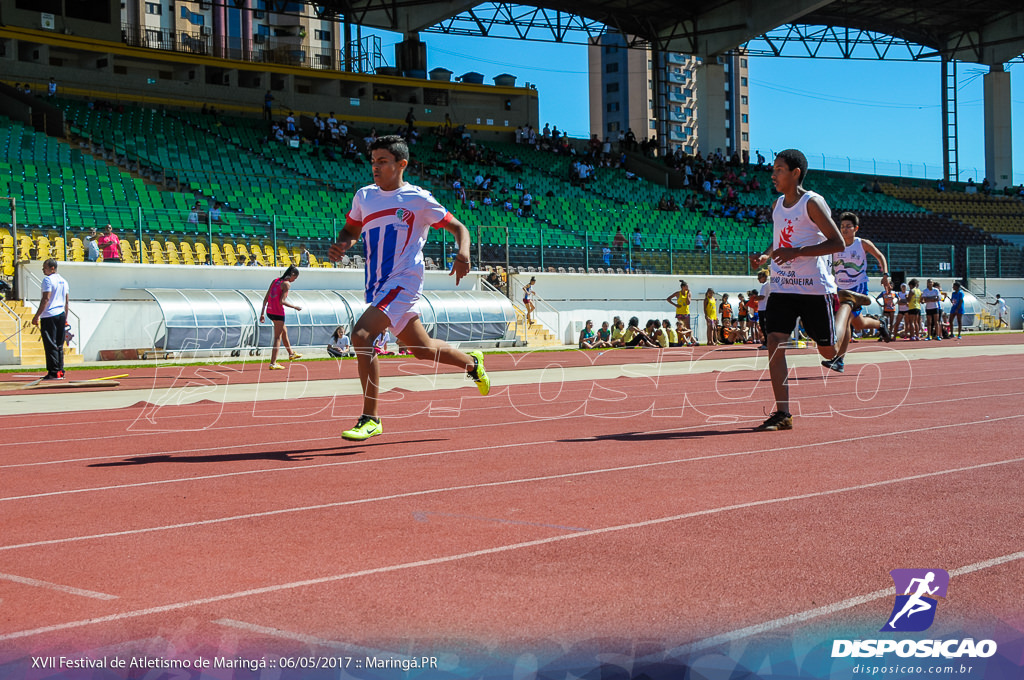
(192,160)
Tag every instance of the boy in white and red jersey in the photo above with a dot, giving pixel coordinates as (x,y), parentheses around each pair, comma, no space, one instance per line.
(850,268)
(802,284)
(394,218)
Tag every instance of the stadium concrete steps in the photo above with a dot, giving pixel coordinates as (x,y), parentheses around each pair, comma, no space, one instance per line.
(32,352)
(536,335)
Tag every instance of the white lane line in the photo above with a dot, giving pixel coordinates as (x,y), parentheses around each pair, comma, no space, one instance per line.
(548,442)
(25,404)
(269,590)
(464,409)
(481,485)
(827,610)
(225,410)
(310,640)
(36,583)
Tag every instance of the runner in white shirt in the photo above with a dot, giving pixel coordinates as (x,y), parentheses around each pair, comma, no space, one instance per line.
(394,219)
(850,268)
(802,285)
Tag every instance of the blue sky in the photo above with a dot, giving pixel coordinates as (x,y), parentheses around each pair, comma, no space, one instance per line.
(877,114)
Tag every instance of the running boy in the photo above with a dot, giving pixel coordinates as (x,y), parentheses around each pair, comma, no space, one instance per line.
(850,267)
(802,284)
(394,219)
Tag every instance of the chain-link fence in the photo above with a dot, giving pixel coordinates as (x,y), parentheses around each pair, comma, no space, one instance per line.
(221,236)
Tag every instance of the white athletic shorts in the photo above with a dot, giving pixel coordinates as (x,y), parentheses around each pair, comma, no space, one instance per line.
(398,300)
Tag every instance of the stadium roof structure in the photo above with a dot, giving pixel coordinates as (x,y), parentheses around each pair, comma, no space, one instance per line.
(981,31)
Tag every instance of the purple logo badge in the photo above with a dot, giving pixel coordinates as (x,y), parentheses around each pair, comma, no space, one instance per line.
(916,590)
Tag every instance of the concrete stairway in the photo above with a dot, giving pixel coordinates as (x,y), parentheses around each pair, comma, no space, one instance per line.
(536,335)
(32,353)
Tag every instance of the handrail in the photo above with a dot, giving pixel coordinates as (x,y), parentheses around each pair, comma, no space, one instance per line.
(17,325)
(538,302)
(484,285)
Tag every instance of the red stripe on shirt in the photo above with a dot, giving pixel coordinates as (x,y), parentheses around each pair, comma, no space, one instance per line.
(444,221)
(380,213)
(389,298)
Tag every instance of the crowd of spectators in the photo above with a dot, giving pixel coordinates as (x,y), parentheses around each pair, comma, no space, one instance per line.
(714,186)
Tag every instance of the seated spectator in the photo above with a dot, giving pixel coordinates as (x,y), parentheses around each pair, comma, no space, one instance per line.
(588,338)
(634,337)
(351,150)
(380,345)
(339,346)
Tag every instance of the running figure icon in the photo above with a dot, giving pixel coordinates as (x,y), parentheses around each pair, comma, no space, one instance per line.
(917,591)
(916,604)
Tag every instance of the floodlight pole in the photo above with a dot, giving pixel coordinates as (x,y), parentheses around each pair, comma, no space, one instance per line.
(950,155)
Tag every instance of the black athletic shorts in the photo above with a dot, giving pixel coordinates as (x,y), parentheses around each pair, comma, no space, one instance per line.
(931,312)
(275,317)
(816,314)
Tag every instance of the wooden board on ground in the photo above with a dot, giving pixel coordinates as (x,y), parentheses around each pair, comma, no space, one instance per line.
(108,381)
(88,383)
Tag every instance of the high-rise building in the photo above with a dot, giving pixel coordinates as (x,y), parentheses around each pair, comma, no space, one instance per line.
(687,102)
(290,35)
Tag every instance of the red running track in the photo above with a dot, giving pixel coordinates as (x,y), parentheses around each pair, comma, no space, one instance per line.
(639,509)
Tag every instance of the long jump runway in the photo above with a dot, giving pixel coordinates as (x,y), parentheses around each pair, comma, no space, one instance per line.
(598,513)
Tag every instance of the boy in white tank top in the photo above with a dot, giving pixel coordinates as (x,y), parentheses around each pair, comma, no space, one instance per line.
(802,284)
(851,271)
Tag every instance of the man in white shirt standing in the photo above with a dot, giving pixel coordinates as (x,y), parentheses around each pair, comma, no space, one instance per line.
(93,248)
(51,316)
(1002,311)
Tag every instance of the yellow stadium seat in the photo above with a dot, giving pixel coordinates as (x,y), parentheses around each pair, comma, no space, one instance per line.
(171,253)
(156,252)
(127,254)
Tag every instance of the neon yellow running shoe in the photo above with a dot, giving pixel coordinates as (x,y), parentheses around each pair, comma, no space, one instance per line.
(293,356)
(479,375)
(276,367)
(366,427)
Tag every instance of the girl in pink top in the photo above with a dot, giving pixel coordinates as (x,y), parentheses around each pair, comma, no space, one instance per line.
(274,303)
